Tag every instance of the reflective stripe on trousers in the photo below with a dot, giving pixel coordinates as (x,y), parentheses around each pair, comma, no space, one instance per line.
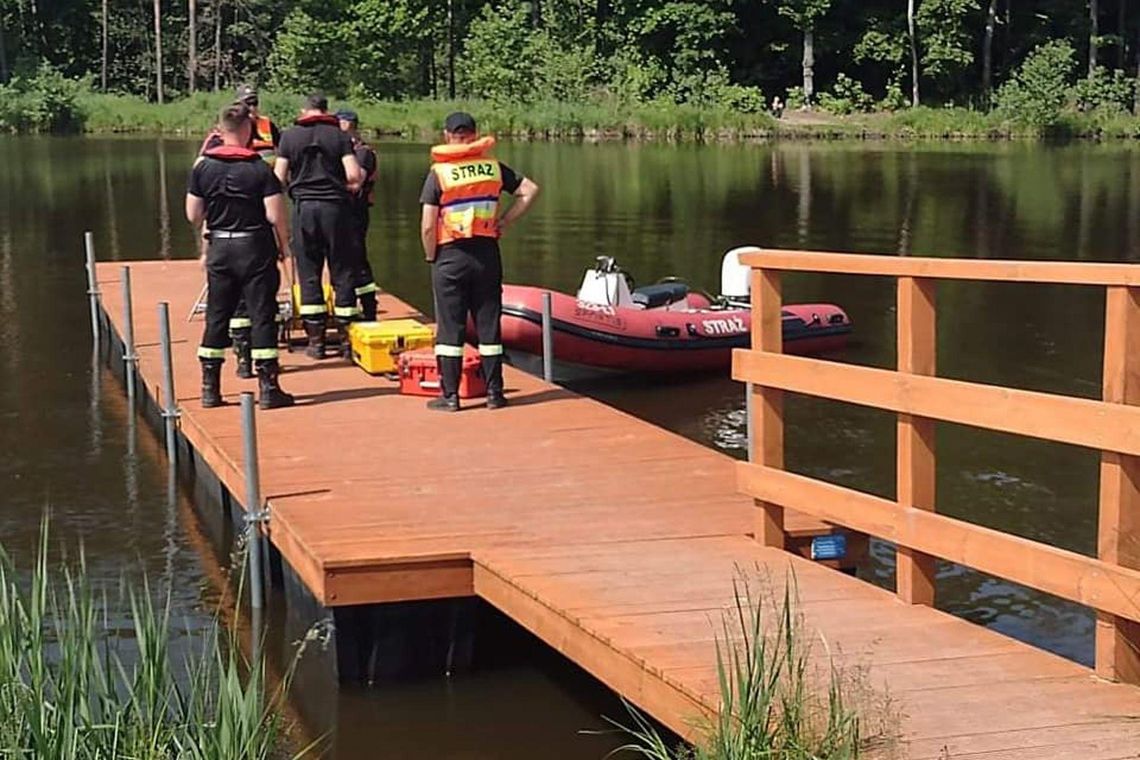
(445,350)
(205,352)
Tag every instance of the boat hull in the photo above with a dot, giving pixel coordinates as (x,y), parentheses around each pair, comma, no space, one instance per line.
(657,340)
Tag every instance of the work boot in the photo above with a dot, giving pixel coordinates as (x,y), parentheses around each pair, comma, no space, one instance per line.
(368,307)
(315,332)
(449,403)
(243,349)
(496,400)
(271,396)
(344,350)
(212,384)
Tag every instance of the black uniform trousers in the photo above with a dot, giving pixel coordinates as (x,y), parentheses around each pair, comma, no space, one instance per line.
(363,279)
(322,232)
(241,269)
(468,282)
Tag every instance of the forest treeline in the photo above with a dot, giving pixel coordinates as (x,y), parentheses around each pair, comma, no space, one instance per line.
(1028,63)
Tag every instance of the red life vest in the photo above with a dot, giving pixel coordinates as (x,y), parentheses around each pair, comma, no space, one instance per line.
(320,118)
(232,153)
(470,184)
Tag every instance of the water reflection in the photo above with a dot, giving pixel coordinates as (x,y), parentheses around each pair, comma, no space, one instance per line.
(70,441)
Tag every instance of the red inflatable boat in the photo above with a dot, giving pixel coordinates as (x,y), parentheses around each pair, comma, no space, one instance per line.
(658,328)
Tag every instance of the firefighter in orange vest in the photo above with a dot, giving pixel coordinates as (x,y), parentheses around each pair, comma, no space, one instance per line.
(266,136)
(460,228)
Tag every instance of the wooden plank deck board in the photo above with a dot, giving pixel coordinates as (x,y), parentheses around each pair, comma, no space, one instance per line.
(615,542)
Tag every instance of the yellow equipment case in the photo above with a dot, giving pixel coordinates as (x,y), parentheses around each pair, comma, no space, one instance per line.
(376,346)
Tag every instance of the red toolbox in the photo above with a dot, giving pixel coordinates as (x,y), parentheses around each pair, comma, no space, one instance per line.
(419,375)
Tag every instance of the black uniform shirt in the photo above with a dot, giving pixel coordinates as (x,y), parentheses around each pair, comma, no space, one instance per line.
(366,157)
(234,191)
(432,194)
(314,152)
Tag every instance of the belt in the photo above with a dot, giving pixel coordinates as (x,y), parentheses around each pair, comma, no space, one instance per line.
(233,235)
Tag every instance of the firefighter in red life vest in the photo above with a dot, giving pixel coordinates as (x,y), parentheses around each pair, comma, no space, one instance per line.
(264,136)
(360,206)
(234,193)
(460,228)
(317,161)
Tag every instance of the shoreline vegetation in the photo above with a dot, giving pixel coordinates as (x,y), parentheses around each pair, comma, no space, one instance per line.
(420,120)
(672,70)
(89,673)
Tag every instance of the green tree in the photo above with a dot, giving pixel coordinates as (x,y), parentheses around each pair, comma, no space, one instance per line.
(390,39)
(685,43)
(884,46)
(805,14)
(946,42)
(311,54)
(1036,94)
(490,73)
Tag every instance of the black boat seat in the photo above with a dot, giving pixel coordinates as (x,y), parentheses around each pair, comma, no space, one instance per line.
(661,294)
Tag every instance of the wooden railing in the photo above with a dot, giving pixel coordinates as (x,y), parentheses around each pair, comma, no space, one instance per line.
(1109,583)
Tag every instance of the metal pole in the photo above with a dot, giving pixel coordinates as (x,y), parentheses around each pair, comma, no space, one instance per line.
(92,285)
(169,403)
(129,358)
(748,422)
(253,506)
(547,338)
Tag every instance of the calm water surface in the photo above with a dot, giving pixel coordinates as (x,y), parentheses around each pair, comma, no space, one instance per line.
(68,443)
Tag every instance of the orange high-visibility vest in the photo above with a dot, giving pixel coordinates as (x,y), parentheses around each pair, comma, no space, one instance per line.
(262,140)
(470,182)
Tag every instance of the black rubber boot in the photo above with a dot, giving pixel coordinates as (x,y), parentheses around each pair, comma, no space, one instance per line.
(242,350)
(315,332)
(444,403)
(271,396)
(212,384)
(496,400)
(368,307)
(344,348)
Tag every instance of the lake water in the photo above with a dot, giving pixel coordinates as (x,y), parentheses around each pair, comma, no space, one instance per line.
(69,445)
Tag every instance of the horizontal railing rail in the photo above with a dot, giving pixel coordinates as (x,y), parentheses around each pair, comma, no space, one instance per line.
(1109,583)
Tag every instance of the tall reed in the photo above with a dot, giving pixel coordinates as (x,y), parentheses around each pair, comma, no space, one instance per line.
(77,682)
(777,702)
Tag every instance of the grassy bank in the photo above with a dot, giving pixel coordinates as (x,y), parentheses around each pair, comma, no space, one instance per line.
(654,121)
(80,679)
(422,119)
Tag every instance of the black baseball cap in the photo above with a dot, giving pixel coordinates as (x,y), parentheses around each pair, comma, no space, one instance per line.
(459,122)
(347,114)
(247,94)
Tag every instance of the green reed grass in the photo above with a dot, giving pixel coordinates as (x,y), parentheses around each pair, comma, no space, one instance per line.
(82,679)
(777,701)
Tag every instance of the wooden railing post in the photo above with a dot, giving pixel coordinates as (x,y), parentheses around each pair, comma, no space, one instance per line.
(1118,540)
(768,403)
(916,466)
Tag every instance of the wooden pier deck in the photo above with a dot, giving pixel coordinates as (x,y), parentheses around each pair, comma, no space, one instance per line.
(613,541)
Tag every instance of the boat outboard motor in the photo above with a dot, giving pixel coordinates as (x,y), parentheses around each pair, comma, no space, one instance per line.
(736,277)
(605,284)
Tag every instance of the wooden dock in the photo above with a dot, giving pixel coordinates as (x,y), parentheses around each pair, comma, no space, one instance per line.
(613,541)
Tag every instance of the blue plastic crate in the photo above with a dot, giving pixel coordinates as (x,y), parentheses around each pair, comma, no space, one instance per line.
(829,547)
